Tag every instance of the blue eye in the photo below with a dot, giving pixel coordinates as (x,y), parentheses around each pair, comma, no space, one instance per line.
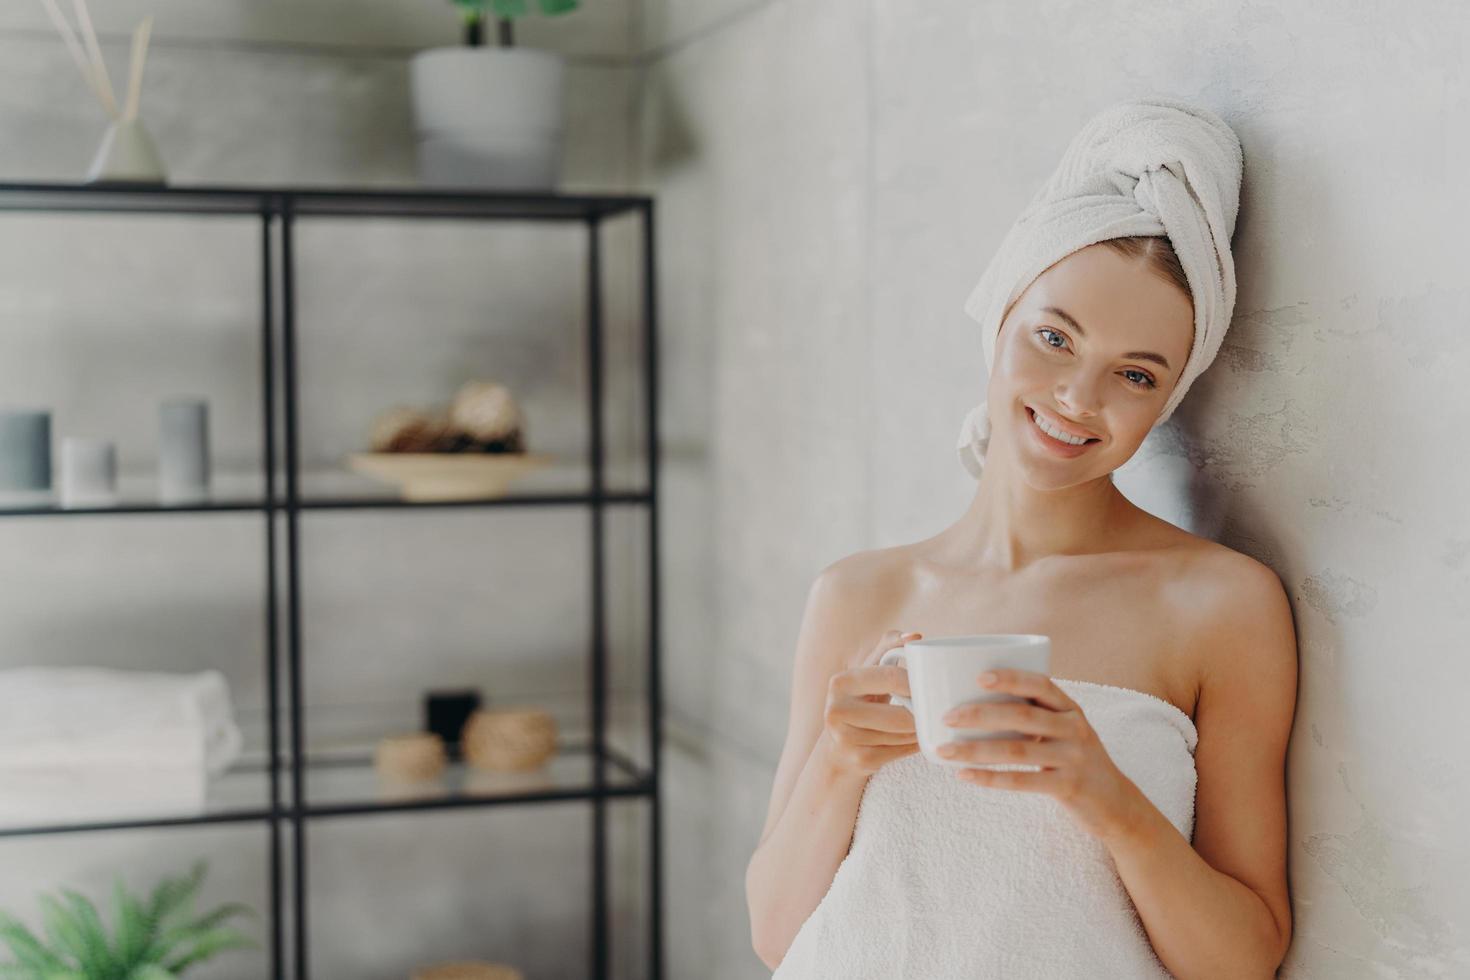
(1054,334)
(1146,384)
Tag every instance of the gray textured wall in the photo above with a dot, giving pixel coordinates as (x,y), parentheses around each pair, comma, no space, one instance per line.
(833,178)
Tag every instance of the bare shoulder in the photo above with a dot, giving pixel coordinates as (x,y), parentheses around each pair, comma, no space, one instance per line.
(1234,610)
(855,595)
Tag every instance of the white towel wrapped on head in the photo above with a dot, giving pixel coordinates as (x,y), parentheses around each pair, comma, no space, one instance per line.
(1156,166)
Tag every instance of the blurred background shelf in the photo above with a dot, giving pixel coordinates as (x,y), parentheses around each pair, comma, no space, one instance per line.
(316,778)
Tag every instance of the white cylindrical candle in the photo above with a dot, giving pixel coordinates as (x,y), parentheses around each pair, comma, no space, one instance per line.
(183,450)
(88,472)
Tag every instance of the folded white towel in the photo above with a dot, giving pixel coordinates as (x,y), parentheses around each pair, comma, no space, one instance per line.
(53,717)
(1156,166)
(950,881)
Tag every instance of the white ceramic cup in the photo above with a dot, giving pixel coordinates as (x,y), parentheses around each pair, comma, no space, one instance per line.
(944,672)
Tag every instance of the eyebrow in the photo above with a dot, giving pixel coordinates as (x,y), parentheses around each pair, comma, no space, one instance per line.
(1138,355)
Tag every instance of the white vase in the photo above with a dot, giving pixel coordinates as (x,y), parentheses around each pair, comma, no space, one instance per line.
(127,155)
(488,117)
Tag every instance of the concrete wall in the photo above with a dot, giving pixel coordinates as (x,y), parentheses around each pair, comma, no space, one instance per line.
(832,179)
(105,316)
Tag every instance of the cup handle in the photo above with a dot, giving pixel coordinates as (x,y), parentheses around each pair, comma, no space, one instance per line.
(892,657)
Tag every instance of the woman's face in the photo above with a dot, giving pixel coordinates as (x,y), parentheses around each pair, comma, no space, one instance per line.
(1095,344)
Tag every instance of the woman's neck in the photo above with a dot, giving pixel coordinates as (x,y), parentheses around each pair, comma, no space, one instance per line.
(1010,524)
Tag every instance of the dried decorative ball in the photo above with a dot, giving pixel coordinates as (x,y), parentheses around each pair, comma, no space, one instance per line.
(509,739)
(485,411)
(408,430)
(468,971)
(410,758)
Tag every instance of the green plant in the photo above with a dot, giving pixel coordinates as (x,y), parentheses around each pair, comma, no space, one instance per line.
(153,939)
(475,13)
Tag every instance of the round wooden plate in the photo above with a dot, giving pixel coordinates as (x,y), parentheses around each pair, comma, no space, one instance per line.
(448,476)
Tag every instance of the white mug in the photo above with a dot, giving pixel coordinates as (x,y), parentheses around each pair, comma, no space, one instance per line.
(944,672)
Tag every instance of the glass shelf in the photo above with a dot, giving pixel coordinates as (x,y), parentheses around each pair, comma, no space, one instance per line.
(327,489)
(350,785)
(343,782)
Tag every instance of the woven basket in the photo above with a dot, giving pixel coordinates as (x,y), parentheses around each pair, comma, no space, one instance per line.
(468,971)
(509,739)
(410,758)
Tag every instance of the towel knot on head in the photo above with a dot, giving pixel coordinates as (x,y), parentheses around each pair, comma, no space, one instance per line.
(1159,167)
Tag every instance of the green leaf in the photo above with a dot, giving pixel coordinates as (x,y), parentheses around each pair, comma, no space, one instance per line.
(132,926)
(150,971)
(508,8)
(175,896)
(68,935)
(551,8)
(26,948)
(208,944)
(95,958)
(192,932)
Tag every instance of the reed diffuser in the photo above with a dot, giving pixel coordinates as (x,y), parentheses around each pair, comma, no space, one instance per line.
(127,153)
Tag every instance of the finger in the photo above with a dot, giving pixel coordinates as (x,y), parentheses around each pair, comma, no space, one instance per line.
(880,681)
(868,714)
(1029,684)
(1018,716)
(873,736)
(889,640)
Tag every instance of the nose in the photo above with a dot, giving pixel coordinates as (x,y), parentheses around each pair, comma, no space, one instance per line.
(1077,394)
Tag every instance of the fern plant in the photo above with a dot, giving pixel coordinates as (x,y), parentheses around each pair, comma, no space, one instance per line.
(476,12)
(156,938)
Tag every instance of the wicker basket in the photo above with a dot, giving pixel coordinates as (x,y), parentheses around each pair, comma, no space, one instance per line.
(410,758)
(468,971)
(509,739)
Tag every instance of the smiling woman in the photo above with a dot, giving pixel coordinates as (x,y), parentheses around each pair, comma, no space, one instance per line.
(1143,833)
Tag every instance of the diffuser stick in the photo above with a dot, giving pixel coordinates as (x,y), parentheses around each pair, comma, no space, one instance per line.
(69,37)
(99,66)
(135,66)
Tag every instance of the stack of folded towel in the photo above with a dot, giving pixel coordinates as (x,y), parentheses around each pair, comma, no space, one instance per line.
(95,744)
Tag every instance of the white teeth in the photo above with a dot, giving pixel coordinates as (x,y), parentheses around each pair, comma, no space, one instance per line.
(1055,433)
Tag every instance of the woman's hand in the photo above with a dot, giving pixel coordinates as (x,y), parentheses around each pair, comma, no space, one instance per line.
(1076,769)
(865,731)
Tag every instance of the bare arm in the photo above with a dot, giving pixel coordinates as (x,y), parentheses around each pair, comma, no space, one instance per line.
(819,782)
(794,865)
(1221,907)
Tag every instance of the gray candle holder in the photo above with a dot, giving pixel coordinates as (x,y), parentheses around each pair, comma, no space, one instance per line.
(183,450)
(25,455)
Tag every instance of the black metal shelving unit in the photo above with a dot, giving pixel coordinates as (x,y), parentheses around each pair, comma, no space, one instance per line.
(613,774)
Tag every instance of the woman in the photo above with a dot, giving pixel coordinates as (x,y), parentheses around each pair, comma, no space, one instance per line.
(1140,830)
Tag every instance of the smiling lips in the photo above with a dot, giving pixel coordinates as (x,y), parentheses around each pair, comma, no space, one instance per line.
(1051,443)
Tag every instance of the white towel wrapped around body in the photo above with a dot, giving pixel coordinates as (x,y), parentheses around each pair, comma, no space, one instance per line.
(98,743)
(1157,166)
(947,880)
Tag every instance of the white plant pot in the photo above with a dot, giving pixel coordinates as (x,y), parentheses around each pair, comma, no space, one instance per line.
(488,117)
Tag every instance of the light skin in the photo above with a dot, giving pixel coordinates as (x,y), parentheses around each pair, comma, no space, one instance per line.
(1049,545)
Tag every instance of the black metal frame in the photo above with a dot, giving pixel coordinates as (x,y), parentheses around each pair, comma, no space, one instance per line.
(278,208)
